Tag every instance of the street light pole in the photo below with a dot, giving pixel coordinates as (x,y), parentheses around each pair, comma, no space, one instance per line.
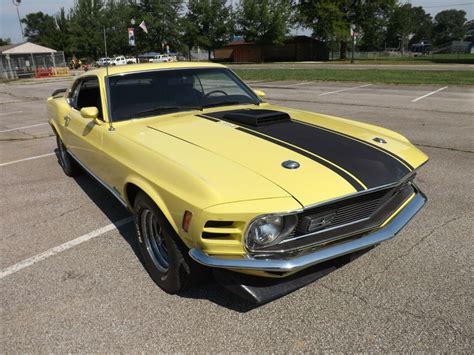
(17,5)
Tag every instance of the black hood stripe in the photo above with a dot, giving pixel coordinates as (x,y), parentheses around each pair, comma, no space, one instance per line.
(361,141)
(371,166)
(358,186)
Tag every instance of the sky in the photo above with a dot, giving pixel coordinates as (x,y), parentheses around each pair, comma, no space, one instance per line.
(10,28)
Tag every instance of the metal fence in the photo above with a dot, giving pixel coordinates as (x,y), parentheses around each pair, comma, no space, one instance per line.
(26,65)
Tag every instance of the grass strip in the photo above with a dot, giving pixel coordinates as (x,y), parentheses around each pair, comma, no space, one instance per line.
(441,77)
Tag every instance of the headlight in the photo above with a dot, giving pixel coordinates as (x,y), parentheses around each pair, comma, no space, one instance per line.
(268,230)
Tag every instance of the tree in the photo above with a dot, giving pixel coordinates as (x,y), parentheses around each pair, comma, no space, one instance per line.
(371,19)
(265,21)
(208,23)
(86,28)
(449,26)
(402,26)
(162,20)
(62,36)
(5,41)
(423,25)
(117,15)
(325,18)
(41,28)
(330,20)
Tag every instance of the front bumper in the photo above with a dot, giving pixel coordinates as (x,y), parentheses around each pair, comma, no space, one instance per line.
(292,264)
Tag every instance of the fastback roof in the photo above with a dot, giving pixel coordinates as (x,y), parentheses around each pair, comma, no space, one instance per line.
(112,70)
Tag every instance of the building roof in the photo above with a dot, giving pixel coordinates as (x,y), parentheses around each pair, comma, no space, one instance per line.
(25,48)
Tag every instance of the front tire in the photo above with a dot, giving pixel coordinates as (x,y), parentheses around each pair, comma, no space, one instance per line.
(69,165)
(165,256)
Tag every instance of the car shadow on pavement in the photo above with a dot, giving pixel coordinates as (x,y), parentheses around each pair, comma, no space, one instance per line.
(210,290)
(215,293)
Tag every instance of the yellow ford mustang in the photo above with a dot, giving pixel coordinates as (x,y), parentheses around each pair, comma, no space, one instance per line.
(216,178)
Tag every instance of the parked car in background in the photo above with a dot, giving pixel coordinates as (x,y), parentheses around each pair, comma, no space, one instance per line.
(102,62)
(131,60)
(120,60)
(421,49)
(217,178)
(161,58)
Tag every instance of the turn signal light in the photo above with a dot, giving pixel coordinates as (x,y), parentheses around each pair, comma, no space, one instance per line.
(186,220)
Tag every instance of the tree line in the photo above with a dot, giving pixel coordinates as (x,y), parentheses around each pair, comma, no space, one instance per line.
(209,24)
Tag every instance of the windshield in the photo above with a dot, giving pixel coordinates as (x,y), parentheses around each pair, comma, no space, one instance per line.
(158,92)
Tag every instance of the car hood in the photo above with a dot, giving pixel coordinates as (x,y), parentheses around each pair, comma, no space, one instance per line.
(334,157)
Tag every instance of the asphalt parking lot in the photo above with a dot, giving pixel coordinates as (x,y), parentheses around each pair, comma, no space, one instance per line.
(60,293)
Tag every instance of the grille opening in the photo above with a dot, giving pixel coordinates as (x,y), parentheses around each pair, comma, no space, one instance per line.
(218,224)
(209,235)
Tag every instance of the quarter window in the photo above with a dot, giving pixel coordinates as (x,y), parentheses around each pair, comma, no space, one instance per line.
(73,93)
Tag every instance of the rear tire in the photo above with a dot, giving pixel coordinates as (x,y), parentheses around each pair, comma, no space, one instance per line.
(69,165)
(165,255)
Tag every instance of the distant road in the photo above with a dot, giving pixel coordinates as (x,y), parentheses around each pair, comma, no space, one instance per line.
(323,65)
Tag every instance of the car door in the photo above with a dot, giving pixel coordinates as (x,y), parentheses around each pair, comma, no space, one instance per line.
(84,135)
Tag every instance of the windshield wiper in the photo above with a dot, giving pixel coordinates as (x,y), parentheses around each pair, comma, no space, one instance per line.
(166,108)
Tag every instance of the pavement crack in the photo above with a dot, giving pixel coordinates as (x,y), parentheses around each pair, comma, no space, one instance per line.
(419,316)
(58,216)
(68,211)
(24,98)
(406,253)
(32,137)
(444,148)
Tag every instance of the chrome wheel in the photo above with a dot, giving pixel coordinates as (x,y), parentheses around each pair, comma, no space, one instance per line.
(154,240)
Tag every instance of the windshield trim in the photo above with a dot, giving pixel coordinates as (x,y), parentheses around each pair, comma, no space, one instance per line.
(248,89)
(166,69)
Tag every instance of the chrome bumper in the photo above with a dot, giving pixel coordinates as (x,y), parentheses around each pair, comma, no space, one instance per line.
(296,263)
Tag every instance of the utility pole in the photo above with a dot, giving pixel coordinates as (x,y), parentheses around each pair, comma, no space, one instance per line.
(353,42)
(105,44)
(17,5)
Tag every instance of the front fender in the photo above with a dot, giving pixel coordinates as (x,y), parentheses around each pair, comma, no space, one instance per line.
(171,213)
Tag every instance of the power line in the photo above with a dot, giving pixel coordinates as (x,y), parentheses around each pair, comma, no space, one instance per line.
(449,5)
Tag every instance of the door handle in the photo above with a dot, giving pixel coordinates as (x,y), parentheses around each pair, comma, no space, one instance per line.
(67,118)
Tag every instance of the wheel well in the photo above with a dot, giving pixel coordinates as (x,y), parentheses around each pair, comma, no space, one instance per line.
(131,191)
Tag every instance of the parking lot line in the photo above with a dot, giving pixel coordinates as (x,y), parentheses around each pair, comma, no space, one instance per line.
(333,92)
(9,113)
(26,159)
(60,248)
(429,94)
(24,127)
(299,84)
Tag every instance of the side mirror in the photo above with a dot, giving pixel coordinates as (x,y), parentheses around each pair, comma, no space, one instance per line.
(259,93)
(90,112)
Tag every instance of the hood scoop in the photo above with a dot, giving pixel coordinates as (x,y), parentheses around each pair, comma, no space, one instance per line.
(253,118)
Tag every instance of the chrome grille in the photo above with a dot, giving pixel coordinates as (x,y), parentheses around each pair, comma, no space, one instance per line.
(344,218)
(344,212)
(354,212)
